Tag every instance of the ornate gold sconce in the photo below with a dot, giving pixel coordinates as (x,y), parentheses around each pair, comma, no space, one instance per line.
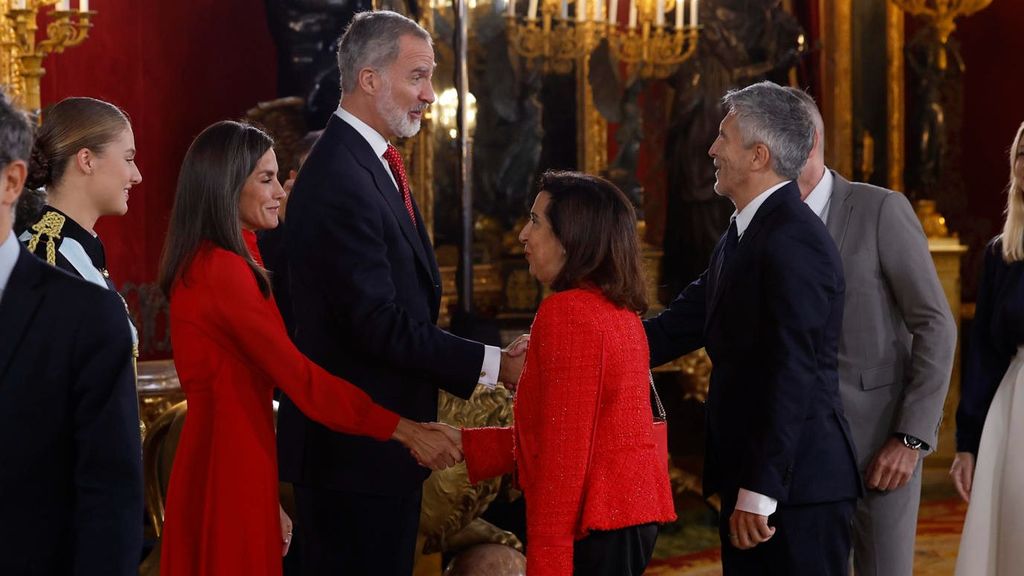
(941,15)
(22,53)
(648,41)
(657,36)
(552,38)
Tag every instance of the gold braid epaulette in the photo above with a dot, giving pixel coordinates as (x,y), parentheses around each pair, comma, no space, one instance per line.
(50,224)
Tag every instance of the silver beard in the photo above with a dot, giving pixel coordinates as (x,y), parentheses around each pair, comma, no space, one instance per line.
(397,119)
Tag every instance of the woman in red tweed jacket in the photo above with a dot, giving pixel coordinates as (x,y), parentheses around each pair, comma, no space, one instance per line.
(582,447)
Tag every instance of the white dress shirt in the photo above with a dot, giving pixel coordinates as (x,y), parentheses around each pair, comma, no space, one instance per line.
(492,354)
(747,500)
(820,199)
(746,216)
(8,258)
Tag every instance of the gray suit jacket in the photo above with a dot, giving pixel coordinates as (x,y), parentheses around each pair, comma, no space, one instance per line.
(898,341)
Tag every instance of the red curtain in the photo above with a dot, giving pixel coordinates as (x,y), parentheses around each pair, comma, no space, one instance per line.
(174,67)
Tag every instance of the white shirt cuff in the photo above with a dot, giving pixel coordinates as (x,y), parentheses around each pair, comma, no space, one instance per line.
(755,503)
(491,366)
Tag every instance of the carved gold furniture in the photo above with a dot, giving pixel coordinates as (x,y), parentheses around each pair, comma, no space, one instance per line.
(22,53)
(449,520)
(157,459)
(158,389)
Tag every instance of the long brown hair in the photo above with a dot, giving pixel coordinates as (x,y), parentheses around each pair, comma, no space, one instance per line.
(210,183)
(596,225)
(69,126)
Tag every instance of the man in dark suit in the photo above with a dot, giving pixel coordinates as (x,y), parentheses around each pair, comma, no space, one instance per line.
(895,353)
(366,292)
(769,311)
(70,452)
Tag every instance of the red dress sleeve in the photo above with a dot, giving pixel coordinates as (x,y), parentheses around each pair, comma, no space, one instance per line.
(567,351)
(251,327)
(488,452)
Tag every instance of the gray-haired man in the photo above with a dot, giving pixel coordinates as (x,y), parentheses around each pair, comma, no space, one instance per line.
(769,312)
(366,293)
(895,352)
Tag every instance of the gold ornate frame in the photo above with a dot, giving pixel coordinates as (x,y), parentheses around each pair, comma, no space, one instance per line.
(837,75)
(896,94)
(837,83)
(591,127)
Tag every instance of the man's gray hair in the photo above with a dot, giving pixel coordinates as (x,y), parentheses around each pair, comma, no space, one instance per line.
(812,109)
(372,41)
(768,114)
(16,132)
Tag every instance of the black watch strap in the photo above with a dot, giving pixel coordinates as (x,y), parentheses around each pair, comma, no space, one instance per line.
(912,442)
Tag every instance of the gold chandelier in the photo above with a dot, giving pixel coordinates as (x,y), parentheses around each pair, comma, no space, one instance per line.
(941,14)
(22,53)
(648,42)
(654,36)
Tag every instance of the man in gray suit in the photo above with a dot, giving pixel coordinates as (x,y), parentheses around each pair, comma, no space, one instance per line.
(895,352)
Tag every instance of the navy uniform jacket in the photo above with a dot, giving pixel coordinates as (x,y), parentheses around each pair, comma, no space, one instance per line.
(47,236)
(62,242)
(770,323)
(365,292)
(70,452)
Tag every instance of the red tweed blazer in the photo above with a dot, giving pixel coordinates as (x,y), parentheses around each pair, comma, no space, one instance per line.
(576,476)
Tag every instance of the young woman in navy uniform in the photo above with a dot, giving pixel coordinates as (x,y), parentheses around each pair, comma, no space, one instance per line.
(84,159)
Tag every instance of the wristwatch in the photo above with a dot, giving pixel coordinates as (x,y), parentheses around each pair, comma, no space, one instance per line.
(910,441)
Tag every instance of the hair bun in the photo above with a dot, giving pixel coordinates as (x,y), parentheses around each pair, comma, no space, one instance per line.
(29,208)
(40,173)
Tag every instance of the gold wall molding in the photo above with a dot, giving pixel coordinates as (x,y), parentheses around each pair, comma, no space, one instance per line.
(591,127)
(896,94)
(837,75)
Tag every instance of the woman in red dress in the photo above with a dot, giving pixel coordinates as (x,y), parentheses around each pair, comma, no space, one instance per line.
(231,350)
(582,446)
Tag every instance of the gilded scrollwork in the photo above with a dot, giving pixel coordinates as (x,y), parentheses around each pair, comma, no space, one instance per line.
(449,520)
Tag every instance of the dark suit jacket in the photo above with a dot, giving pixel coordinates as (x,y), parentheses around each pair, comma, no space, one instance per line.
(366,292)
(770,322)
(70,452)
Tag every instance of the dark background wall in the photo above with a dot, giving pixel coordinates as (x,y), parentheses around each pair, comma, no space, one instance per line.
(991,41)
(175,67)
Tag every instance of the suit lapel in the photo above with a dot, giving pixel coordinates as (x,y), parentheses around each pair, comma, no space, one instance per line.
(364,155)
(840,210)
(19,303)
(747,242)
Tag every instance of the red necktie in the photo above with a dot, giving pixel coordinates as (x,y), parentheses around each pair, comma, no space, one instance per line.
(394,159)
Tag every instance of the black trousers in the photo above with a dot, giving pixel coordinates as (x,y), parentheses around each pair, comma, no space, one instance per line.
(809,540)
(343,533)
(622,552)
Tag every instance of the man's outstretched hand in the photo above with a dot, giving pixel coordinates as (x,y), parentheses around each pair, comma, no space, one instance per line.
(512,359)
(432,448)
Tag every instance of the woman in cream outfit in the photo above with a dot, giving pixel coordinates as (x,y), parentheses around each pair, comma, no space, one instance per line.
(988,470)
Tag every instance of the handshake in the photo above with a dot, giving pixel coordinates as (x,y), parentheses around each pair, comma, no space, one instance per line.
(438,446)
(434,445)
